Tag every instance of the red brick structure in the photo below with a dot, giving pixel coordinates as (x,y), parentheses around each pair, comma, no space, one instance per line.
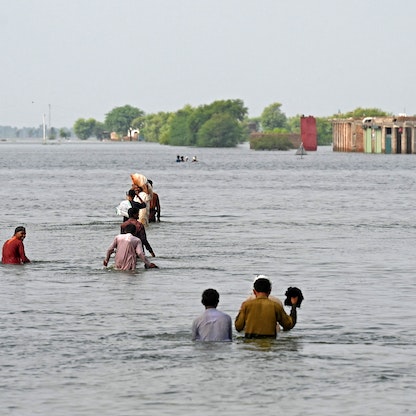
(308,133)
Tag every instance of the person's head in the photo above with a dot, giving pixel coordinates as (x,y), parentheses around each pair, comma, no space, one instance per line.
(20,232)
(210,298)
(130,229)
(133,213)
(150,181)
(262,285)
(131,194)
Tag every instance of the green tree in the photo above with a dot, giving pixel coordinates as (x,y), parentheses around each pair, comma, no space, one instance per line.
(179,132)
(221,130)
(99,130)
(360,112)
(235,108)
(324,131)
(52,133)
(84,128)
(272,117)
(153,127)
(64,133)
(293,124)
(120,119)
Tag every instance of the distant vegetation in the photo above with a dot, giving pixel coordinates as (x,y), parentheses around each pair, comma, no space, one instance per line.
(272,141)
(223,123)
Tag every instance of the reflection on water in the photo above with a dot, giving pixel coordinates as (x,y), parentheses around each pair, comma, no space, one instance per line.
(80,339)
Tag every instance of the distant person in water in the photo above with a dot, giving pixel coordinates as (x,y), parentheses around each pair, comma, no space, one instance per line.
(127,248)
(194,159)
(178,158)
(14,250)
(154,212)
(212,325)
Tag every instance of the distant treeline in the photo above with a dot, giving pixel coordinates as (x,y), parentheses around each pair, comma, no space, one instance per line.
(223,123)
(8,132)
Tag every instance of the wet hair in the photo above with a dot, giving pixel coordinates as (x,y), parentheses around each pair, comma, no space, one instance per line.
(262,285)
(19,229)
(210,297)
(131,193)
(132,212)
(130,228)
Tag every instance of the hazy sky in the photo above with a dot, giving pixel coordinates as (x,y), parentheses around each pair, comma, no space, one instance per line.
(82,58)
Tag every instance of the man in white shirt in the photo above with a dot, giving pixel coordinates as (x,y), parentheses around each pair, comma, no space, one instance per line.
(212,325)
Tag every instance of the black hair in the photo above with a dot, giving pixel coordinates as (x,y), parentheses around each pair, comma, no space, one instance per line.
(130,228)
(263,285)
(210,297)
(19,228)
(131,193)
(132,212)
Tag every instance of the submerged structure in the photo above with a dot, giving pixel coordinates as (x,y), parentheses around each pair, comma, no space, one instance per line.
(308,133)
(375,135)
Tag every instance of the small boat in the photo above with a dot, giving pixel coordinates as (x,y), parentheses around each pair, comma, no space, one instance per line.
(301,150)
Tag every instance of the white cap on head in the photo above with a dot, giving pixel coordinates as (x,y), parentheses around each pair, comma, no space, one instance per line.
(262,276)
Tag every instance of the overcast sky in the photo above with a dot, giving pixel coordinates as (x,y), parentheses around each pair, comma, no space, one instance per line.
(75,59)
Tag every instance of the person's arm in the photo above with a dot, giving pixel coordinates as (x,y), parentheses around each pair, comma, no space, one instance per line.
(240,320)
(22,253)
(157,208)
(138,205)
(230,330)
(143,258)
(110,251)
(194,331)
(143,238)
(285,320)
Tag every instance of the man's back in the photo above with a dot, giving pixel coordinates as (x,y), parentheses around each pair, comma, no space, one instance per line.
(139,226)
(259,317)
(127,248)
(212,325)
(13,252)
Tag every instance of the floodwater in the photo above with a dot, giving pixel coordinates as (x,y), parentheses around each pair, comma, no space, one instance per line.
(78,339)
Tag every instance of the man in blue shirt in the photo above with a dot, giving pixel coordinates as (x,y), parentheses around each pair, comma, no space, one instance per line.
(212,325)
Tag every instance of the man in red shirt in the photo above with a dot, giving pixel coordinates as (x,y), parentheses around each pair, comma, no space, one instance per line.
(14,250)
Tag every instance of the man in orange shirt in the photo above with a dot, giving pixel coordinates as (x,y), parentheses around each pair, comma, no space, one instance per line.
(13,248)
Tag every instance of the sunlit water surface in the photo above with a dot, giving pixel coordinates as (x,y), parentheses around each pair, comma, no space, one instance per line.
(77,339)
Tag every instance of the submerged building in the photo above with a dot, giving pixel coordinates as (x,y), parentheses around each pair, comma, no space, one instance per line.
(375,135)
(308,133)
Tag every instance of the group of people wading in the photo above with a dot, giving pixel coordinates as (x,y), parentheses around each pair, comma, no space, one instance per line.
(260,316)
(141,207)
